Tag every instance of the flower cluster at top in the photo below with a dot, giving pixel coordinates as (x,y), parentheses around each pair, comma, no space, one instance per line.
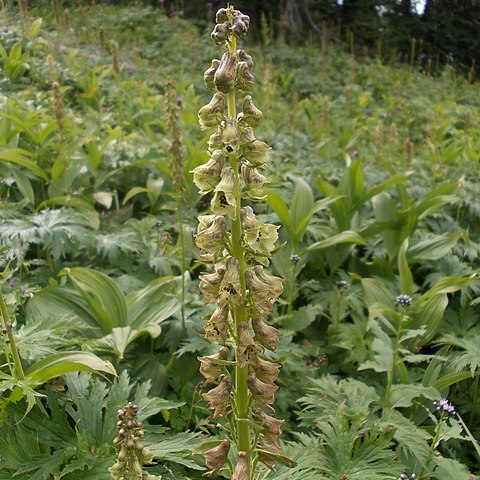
(239,246)
(404,300)
(445,406)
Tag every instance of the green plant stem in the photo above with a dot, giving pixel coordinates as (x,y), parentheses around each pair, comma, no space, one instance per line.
(181,239)
(13,346)
(240,312)
(391,373)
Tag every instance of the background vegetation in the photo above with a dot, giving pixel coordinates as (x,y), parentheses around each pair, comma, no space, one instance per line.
(375,186)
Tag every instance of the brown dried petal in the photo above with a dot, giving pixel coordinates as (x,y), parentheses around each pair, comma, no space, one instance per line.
(210,283)
(219,397)
(216,457)
(271,426)
(264,393)
(266,335)
(247,350)
(211,370)
(209,237)
(241,470)
(216,329)
(264,370)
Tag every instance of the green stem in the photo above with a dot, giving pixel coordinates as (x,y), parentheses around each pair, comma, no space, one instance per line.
(181,239)
(13,346)
(391,373)
(240,313)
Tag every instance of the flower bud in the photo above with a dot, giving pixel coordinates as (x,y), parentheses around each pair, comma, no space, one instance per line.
(230,288)
(244,78)
(266,335)
(220,33)
(207,176)
(221,15)
(219,397)
(263,393)
(216,328)
(240,25)
(254,182)
(256,153)
(243,56)
(211,115)
(241,469)
(264,289)
(209,75)
(225,75)
(210,284)
(271,427)
(209,237)
(224,202)
(250,115)
(209,369)
(216,457)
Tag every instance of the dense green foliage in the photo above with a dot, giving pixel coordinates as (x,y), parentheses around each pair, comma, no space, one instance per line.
(374,181)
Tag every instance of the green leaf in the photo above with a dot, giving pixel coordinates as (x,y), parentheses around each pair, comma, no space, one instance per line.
(18,156)
(278,205)
(347,236)
(451,379)
(136,191)
(277,458)
(432,248)
(66,362)
(403,394)
(406,278)
(102,294)
(301,206)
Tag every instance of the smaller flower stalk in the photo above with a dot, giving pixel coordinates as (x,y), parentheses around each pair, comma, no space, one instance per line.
(239,246)
(131,454)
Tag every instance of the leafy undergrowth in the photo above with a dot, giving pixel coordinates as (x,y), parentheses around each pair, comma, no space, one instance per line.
(374,185)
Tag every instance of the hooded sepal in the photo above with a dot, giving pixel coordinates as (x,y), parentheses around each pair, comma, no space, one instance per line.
(244,79)
(212,114)
(230,288)
(254,182)
(219,397)
(210,283)
(250,115)
(271,426)
(264,370)
(216,457)
(210,235)
(265,334)
(209,75)
(209,368)
(216,328)
(247,350)
(259,237)
(256,153)
(241,469)
(225,75)
(263,393)
(207,176)
(223,201)
(263,290)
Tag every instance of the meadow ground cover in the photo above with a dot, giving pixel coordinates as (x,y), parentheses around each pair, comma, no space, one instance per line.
(373,181)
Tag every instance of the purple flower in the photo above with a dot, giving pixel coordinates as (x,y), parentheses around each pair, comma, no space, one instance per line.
(445,406)
(11,283)
(180,100)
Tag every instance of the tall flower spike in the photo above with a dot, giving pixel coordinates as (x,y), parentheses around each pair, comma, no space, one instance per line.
(235,240)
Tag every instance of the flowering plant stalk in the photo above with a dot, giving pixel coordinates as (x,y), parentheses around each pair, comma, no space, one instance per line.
(239,245)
